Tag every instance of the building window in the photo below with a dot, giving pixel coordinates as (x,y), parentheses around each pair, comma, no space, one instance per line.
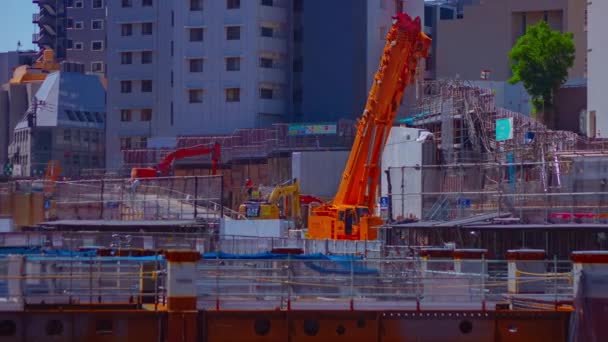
(67,135)
(70,115)
(233,4)
(80,116)
(78,4)
(195,95)
(127,3)
(146,57)
(125,87)
(233,63)
(196,5)
(125,115)
(94,161)
(196,35)
(233,94)
(146,29)
(69,23)
(265,62)
(196,65)
(97,24)
(99,117)
(97,66)
(69,44)
(97,45)
(267,3)
(78,46)
(146,114)
(89,116)
(125,143)
(126,30)
(266,31)
(146,3)
(146,86)
(78,25)
(266,93)
(97,4)
(126,57)
(233,33)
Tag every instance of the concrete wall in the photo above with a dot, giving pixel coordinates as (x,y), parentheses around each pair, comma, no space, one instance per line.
(401,154)
(463,50)
(319,173)
(597,55)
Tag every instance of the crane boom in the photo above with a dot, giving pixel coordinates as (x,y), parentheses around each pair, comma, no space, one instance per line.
(349,215)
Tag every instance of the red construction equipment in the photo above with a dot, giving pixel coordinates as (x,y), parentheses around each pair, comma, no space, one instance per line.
(164,167)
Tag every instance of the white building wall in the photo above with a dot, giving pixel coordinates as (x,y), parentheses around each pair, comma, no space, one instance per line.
(597,55)
(172,112)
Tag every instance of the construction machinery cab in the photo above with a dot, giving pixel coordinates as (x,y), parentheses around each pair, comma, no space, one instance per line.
(270,209)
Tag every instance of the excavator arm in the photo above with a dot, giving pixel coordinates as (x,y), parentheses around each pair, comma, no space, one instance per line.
(349,216)
(164,167)
(292,190)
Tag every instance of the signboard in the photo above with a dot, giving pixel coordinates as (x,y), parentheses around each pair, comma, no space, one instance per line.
(504,129)
(312,129)
(8,169)
(383,202)
(464,203)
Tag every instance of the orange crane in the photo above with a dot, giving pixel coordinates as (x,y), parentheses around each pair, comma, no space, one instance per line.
(350,215)
(164,167)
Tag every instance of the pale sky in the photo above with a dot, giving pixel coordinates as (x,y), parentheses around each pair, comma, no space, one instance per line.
(16,24)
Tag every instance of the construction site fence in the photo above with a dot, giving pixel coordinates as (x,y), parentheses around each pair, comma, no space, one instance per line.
(559,192)
(350,284)
(262,284)
(160,198)
(39,279)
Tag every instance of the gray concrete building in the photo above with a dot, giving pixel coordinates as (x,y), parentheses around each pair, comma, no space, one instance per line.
(86,34)
(65,122)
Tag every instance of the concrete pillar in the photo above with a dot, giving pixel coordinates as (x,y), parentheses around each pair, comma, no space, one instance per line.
(470,260)
(524,265)
(181,295)
(437,269)
(16,264)
(589,261)
(437,259)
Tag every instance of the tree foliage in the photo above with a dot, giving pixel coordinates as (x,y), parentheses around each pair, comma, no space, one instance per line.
(541,59)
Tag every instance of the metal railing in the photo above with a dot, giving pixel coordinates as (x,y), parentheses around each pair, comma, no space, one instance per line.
(371,284)
(81,280)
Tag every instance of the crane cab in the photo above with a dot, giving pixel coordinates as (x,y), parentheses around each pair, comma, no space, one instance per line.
(343,223)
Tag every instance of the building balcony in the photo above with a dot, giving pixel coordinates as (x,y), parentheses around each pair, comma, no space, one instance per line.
(42,39)
(272,75)
(273,13)
(273,44)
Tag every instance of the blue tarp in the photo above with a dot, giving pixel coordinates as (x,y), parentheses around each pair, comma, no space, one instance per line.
(342,263)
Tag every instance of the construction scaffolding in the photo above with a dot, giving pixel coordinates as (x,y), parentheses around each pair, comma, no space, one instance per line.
(535,174)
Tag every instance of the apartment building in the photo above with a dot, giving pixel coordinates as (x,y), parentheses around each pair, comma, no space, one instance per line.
(50,21)
(86,35)
(201,67)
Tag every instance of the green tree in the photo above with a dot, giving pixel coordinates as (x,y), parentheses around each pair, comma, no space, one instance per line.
(541,59)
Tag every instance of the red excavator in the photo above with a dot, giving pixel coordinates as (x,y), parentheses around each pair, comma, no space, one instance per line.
(164,167)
